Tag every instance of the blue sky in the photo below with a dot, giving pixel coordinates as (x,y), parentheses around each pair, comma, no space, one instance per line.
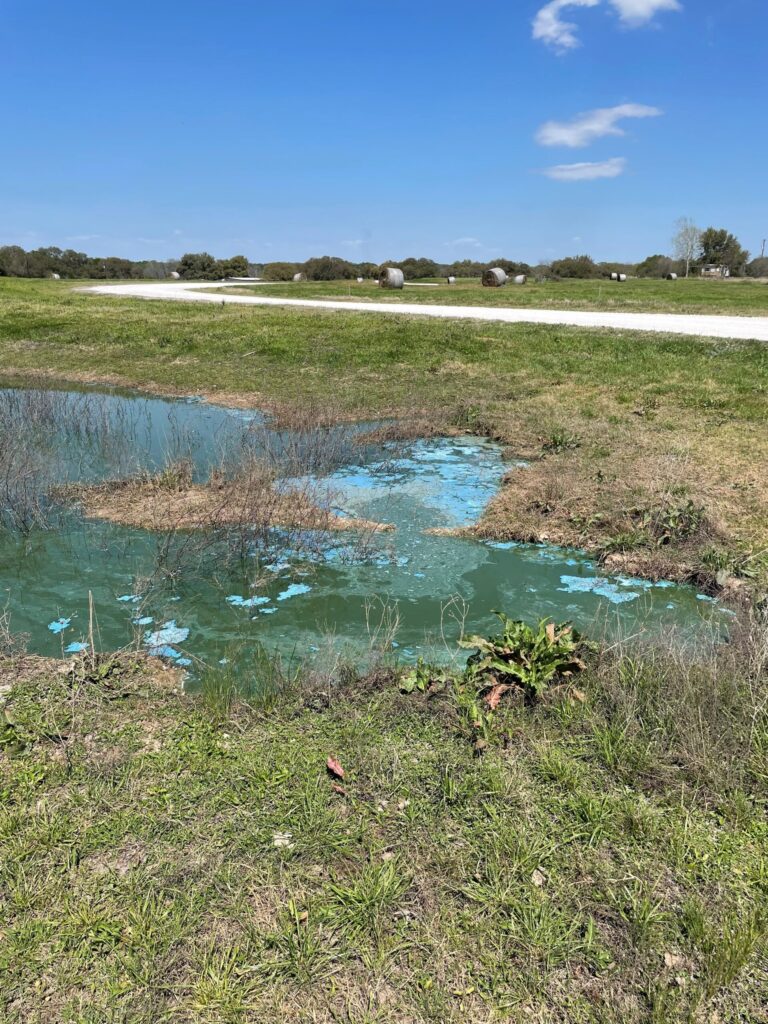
(380,131)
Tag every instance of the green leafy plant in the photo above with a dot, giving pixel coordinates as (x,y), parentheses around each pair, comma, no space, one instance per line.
(561,441)
(422,678)
(525,657)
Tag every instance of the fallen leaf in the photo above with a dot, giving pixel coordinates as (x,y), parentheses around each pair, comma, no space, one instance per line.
(551,632)
(673,960)
(334,767)
(538,878)
(303,917)
(494,695)
(338,789)
(578,695)
(387,855)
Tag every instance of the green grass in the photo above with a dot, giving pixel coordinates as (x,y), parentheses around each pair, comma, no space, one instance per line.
(362,361)
(617,421)
(162,859)
(743,297)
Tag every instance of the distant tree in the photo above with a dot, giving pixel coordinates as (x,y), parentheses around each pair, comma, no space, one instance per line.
(13,261)
(199,265)
(575,266)
(465,268)
(365,269)
(655,266)
(758,267)
(721,247)
(414,267)
(328,268)
(235,266)
(686,243)
(279,271)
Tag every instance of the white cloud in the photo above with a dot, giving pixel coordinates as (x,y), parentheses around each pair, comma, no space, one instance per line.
(549,27)
(468,240)
(82,238)
(591,125)
(353,242)
(587,171)
(638,12)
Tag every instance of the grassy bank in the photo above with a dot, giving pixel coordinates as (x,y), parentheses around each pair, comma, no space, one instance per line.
(600,858)
(641,445)
(737,297)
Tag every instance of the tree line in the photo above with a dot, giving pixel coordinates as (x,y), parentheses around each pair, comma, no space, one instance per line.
(691,249)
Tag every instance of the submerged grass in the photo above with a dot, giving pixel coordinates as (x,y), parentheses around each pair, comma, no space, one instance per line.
(167,857)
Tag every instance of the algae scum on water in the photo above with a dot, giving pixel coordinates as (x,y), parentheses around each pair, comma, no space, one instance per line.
(195,596)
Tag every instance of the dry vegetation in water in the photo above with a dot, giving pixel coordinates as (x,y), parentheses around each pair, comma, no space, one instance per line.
(254,499)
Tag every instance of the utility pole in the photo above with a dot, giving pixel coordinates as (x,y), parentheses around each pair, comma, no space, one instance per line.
(762,251)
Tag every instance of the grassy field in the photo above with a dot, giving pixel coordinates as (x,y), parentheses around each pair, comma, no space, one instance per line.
(172,858)
(742,297)
(594,857)
(643,447)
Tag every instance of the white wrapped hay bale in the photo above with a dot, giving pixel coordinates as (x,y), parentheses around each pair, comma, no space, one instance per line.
(494,277)
(671,277)
(391,277)
(299,277)
(451,279)
(520,279)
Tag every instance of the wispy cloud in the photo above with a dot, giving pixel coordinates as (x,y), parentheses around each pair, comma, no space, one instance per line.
(591,125)
(587,171)
(353,242)
(474,243)
(550,28)
(82,238)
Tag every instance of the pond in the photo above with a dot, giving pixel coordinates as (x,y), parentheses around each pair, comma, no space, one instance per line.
(308,594)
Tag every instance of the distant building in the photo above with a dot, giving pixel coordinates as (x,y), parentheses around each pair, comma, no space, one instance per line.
(715,270)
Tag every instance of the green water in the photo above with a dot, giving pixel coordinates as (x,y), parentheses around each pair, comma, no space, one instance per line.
(310,595)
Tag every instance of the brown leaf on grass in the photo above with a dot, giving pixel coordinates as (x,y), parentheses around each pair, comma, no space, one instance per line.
(551,632)
(578,695)
(338,789)
(495,694)
(334,767)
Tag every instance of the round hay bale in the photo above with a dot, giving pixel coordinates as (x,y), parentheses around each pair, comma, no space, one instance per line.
(451,279)
(671,277)
(175,275)
(494,278)
(622,277)
(391,277)
(55,277)
(360,280)
(521,279)
(614,276)
(299,277)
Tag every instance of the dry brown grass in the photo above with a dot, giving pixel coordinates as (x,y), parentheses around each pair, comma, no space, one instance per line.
(253,499)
